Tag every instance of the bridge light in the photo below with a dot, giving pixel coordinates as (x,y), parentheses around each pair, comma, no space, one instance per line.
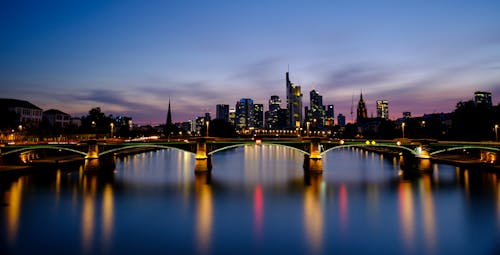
(341,142)
(398,143)
(367,142)
(258,141)
(373,142)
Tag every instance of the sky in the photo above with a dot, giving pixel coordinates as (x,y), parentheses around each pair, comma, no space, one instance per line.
(130,57)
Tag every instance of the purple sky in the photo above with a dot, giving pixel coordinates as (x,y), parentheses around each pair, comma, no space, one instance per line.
(129,57)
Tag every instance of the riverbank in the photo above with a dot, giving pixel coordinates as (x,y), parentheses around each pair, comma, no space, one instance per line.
(466,161)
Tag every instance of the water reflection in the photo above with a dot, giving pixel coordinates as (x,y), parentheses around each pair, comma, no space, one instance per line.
(406,210)
(258,210)
(14,198)
(204,212)
(313,212)
(428,212)
(358,205)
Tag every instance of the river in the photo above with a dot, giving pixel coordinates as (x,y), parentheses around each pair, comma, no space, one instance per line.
(256,200)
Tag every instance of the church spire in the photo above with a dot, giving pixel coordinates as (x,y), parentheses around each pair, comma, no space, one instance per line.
(169,115)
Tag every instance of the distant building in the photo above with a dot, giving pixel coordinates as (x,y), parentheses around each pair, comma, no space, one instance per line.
(361,113)
(483,98)
(29,114)
(317,109)
(383,109)
(56,118)
(222,112)
(76,122)
(207,116)
(244,113)
(330,115)
(406,115)
(258,115)
(272,114)
(232,116)
(294,103)
(341,120)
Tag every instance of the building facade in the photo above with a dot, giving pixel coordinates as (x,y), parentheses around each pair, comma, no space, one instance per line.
(56,118)
(222,112)
(272,114)
(29,114)
(294,103)
(383,109)
(483,98)
(244,113)
(258,115)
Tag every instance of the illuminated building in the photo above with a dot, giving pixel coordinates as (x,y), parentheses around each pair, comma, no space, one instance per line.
(383,109)
(244,113)
(232,116)
(483,98)
(330,115)
(316,113)
(222,112)
(56,118)
(362,113)
(272,114)
(258,115)
(294,103)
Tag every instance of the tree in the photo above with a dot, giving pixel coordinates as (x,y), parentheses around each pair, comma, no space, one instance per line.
(221,128)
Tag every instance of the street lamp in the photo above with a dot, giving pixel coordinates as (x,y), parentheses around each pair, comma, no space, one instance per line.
(112,126)
(207,122)
(496,133)
(403,129)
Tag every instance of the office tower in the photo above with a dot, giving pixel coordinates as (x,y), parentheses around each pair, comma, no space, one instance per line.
(341,120)
(272,114)
(244,113)
(483,98)
(294,103)
(330,115)
(222,112)
(383,109)
(258,115)
(232,116)
(317,109)
(362,113)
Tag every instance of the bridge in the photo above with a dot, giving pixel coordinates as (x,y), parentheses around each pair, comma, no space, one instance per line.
(414,153)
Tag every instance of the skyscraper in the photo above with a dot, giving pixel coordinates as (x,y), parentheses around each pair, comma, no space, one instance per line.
(294,103)
(341,120)
(258,115)
(362,113)
(244,113)
(383,109)
(330,115)
(222,112)
(483,98)
(272,114)
(317,109)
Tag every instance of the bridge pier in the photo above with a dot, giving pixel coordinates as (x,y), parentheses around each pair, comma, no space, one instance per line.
(313,162)
(203,161)
(489,157)
(93,150)
(412,163)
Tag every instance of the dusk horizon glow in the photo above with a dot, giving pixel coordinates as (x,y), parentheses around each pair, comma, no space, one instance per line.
(130,57)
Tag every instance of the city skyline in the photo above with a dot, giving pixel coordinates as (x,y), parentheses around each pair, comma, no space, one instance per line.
(128,57)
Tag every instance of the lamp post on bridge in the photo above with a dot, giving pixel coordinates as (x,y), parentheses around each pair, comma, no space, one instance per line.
(496,133)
